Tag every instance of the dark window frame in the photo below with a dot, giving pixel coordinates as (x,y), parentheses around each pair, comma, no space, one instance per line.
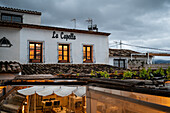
(11,15)
(91,54)
(68,53)
(41,53)
(119,60)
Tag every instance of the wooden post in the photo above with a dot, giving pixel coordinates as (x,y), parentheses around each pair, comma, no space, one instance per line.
(28,104)
(35,103)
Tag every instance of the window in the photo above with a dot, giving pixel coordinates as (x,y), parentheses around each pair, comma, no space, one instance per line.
(11,18)
(35,52)
(119,63)
(63,53)
(87,54)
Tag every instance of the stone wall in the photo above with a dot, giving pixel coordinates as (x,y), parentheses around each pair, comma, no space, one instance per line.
(29,69)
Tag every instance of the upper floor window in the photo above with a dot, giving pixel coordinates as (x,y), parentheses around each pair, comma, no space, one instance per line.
(35,52)
(87,54)
(63,53)
(11,18)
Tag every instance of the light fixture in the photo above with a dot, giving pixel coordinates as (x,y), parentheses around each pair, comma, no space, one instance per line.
(4,42)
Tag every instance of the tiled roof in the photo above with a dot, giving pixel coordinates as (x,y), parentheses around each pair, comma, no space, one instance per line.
(9,67)
(30,69)
(21,25)
(124,53)
(20,10)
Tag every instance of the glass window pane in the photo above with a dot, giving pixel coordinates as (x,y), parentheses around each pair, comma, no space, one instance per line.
(88,48)
(65,48)
(60,52)
(6,18)
(31,52)
(60,47)
(84,49)
(65,52)
(116,63)
(60,58)
(31,46)
(38,46)
(88,54)
(65,57)
(31,57)
(16,19)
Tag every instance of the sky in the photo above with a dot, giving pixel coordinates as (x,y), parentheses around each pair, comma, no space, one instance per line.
(135,22)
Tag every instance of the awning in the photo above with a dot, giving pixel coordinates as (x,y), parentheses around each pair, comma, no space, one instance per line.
(58,90)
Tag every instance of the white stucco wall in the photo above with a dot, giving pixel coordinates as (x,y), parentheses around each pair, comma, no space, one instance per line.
(99,42)
(12,53)
(32,19)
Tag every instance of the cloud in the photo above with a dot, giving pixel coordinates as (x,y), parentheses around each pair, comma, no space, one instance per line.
(141,22)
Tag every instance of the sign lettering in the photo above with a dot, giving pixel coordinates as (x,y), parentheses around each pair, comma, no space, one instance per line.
(64,36)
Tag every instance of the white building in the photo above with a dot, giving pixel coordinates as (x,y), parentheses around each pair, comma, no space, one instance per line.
(125,58)
(30,42)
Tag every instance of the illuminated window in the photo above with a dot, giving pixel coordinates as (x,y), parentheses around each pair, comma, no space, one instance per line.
(87,54)
(35,52)
(119,63)
(11,18)
(63,53)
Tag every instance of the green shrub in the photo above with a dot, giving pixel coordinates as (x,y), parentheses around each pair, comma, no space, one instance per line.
(159,71)
(168,73)
(92,73)
(127,74)
(142,73)
(78,74)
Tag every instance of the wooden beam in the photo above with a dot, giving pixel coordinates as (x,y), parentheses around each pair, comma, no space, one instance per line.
(159,54)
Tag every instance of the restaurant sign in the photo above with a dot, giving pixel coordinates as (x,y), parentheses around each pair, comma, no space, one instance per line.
(64,36)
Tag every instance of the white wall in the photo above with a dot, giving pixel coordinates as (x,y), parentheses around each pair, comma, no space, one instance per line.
(32,19)
(12,53)
(101,47)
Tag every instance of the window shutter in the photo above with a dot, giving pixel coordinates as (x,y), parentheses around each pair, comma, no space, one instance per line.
(28,53)
(94,58)
(43,52)
(57,52)
(82,53)
(71,59)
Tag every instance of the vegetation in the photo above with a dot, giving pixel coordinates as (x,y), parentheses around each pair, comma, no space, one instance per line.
(142,74)
(127,74)
(168,73)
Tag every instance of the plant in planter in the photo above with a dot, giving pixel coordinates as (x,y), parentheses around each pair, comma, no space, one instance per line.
(168,73)
(149,74)
(134,74)
(159,72)
(92,73)
(106,75)
(115,74)
(78,74)
(143,73)
(127,74)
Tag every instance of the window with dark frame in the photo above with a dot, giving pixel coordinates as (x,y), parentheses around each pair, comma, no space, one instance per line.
(119,63)
(35,52)
(64,53)
(11,18)
(87,54)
